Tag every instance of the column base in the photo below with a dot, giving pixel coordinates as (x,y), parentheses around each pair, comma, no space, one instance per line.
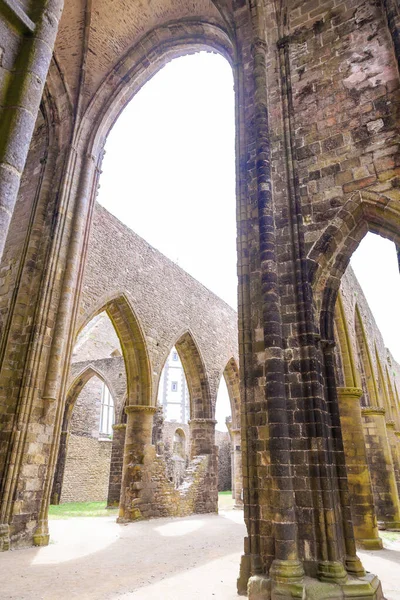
(354,566)
(332,572)
(244,575)
(41,537)
(262,587)
(4,538)
(369,544)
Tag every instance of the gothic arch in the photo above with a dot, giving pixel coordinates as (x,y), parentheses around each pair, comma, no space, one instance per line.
(231,376)
(139,64)
(329,257)
(196,376)
(76,387)
(133,345)
(79,382)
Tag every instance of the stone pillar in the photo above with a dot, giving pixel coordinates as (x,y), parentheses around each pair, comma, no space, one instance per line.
(202,437)
(202,442)
(60,468)
(21,100)
(138,438)
(237,474)
(360,488)
(394,447)
(117,459)
(380,462)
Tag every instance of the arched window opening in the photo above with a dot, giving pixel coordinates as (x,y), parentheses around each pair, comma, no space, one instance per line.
(92,407)
(83,468)
(376,267)
(107,416)
(174,400)
(365,324)
(184,119)
(173,392)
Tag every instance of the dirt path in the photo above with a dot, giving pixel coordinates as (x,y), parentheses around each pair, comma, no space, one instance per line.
(195,558)
(94,558)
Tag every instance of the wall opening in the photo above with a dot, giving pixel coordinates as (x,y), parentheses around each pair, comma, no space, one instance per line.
(94,405)
(367,341)
(169,168)
(171,433)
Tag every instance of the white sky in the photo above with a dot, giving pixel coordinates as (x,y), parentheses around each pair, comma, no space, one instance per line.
(169,175)
(376,268)
(169,169)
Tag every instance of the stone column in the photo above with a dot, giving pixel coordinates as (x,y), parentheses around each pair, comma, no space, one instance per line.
(237,473)
(202,443)
(138,438)
(21,100)
(394,447)
(381,468)
(60,468)
(360,488)
(116,465)
(202,437)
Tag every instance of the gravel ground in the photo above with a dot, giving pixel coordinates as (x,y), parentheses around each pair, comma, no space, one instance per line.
(94,558)
(194,558)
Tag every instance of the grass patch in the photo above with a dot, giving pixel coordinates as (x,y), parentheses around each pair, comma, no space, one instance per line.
(81,509)
(225,500)
(390,536)
(98,509)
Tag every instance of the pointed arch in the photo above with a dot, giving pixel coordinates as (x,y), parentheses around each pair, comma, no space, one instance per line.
(77,385)
(350,374)
(133,345)
(141,63)
(330,255)
(231,376)
(368,379)
(196,376)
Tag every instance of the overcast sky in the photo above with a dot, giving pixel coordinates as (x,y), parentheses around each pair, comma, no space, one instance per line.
(169,174)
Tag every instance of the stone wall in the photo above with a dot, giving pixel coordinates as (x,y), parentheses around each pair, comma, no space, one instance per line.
(116,465)
(164,298)
(87,470)
(158,496)
(317,91)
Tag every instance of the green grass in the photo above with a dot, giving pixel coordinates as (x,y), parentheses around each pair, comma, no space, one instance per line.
(98,509)
(225,500)
(390,536)
(81,509)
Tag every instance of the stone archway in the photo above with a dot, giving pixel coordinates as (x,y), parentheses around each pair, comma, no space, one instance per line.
(76,388)
(231,376)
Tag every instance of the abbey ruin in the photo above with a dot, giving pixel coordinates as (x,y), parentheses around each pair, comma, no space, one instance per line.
(314,392)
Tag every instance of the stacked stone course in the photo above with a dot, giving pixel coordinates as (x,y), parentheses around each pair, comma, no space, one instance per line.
(317,97)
